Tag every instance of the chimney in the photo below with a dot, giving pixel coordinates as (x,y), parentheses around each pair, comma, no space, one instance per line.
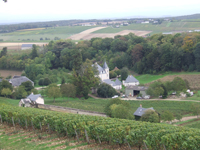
(141,105)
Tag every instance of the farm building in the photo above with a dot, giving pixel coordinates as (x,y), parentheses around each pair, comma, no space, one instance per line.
(116,85)
(140,111)
(18,80)
(26,46)
(31,100)
(130,80)
(135,90)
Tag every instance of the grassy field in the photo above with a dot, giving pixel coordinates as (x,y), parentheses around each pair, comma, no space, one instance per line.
(98,105)
(164,27)
(35,35)
(147,78)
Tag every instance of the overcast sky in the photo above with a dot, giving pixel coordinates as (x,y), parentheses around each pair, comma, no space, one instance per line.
(49,10)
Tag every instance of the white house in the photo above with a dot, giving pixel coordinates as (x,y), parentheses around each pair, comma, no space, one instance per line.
(31,100)
(116,85)
(105,78)
(130,80)
(103,72)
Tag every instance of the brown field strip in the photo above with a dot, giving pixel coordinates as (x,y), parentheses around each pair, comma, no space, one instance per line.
(87,34)
(194,80)
(5,73)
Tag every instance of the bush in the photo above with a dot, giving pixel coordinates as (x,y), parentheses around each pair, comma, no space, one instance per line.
(111,105)
(41,82)
(121,111)
(150,116)
(112,74)
(46,81)
(106,90)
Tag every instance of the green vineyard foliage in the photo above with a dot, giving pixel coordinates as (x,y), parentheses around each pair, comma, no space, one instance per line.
(117,131)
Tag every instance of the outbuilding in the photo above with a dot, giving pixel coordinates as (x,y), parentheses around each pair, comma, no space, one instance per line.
(135,90)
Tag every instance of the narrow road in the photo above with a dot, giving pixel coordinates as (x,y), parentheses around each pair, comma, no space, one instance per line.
(185,118)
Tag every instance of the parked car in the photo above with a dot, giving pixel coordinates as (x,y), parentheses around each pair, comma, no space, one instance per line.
(139,97)
(115,96)
(147,97)
(123,96)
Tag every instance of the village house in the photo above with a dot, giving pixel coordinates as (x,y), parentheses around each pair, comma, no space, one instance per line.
(130,80)
(140,111)
(18,80)
(31,100)
(105,77)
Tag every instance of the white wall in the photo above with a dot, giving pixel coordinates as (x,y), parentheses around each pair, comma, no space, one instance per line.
(40,100)
(131,83)
(117,87)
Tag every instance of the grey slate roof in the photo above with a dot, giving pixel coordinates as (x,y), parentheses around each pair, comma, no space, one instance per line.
(140,111)
(105,65)
(108,81)
(117,82)
(19,80)
(130,79)
(27,45)
(33,97)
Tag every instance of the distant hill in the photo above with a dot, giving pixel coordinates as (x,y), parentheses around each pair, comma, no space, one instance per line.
(194,16)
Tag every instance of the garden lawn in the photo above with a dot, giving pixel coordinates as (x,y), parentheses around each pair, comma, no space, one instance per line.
(8,101)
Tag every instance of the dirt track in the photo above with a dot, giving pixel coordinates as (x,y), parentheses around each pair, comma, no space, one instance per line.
(87,34)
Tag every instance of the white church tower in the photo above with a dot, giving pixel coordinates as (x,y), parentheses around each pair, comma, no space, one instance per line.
(105,67)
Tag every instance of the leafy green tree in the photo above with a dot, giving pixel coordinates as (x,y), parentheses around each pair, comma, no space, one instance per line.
(77,61)
(34,91)
(6,92)
(124,73)
(5,84)
(178,84)
(63,80)
(53,92)
(122,112)
(20,92)
(114,102)
(34,52)
(150,116)
(84,79)
(3,52)
(41,81)
(167,116)
(47,81)
(179,116)
(165,94)
(27,86)
(197,56)
(68,90)
(195,108)
(112,74)
(106,91)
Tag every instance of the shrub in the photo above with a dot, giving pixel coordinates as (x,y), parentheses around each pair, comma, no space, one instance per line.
(150,116)
(106,90)
(46,81)
(121,111)
(41,82)
(112,74)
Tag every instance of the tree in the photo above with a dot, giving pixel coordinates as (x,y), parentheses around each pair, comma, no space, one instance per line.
(20,92)
(178,84)
(124,73)
(106,91)
(47,81)
(6,92)
(150,116)
(122,112)
(53,92)
(179,116)
(68,90)
(3,52)
(167,116)
(5,84)
(63,80)
(34,91)
(197,56)
(195,108)
(34,52)
(27,86)
(165,94)
(84,78)
(41,81)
